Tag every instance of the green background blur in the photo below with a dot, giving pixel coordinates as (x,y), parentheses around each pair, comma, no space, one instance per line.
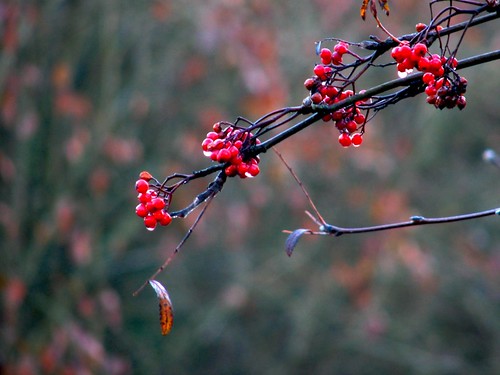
(93,92)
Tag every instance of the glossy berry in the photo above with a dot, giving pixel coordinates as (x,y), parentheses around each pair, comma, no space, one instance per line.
(356,139)
(344,140)
(150,222)
(141,186)
(141,210)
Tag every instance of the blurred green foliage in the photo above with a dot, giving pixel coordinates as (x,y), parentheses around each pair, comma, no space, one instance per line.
(93,92)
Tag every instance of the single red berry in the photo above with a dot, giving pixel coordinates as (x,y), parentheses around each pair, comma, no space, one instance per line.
(165,218)
(405,51)
(145,175)
(141,211)
(430,90)
(144,197)
(141,186)
(212,135)
(253,170)
(336,58)
(419,27)
(331,91)
(461,102)
(319,70)
(150,222)
(351,126)
(224,155)
(217,127)
(205,145)
(345,140)
(356,139)
(231,170)
(158,203)
(310,84)
(316,98)
(420,49)
(453,62)
(396,54)
(242,169)
(341,48)
(326,56)
(427,78)
(359,118)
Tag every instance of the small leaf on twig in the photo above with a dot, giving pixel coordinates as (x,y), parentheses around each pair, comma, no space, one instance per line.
(292,240)
(166,309)
(384,4)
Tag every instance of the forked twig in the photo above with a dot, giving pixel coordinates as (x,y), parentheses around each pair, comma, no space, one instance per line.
(177,248)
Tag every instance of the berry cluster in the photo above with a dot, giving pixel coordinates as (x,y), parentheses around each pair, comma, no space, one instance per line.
(441,91)
(151,207)
(323,90)
(225,146)
(445,93)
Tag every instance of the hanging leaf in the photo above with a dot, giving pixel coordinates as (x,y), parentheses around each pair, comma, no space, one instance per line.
(292,240)
(362,12)
(166,309)
(384,4)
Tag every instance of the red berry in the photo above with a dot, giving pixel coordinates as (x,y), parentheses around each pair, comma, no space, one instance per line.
(242,169)
(319,70)
(253,170)
(205,145)
(341,48)
(231,170)
(430,90)
(405,51)
(141,186)
(141,210)
(145,175)
(144,197)
(224,155)
(165,218)
(420,49)
(217,127)
(351,126)
(316,98)
(310,83)
(150,222)
(158,203)
(359,118)
(420,27)
(212,135)
(356,139)
(428,78)
(345,140)
(331,91)
(326,56)
(461,102)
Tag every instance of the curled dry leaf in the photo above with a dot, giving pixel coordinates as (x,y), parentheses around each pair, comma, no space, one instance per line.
(292,240)
(166,309)
(384,4)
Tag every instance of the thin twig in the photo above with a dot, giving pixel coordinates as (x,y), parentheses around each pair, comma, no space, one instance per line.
(177,248)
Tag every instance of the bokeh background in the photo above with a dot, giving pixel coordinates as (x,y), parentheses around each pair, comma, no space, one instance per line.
(92,92)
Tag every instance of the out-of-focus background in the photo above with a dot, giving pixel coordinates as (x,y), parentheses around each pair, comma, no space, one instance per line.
(92,92)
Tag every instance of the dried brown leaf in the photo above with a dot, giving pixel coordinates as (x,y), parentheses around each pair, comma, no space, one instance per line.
(165,304)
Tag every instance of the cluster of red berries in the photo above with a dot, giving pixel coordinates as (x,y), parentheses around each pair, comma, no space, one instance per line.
(444,92)
(224,146)
(441,91)
(151,207)
(349,121)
